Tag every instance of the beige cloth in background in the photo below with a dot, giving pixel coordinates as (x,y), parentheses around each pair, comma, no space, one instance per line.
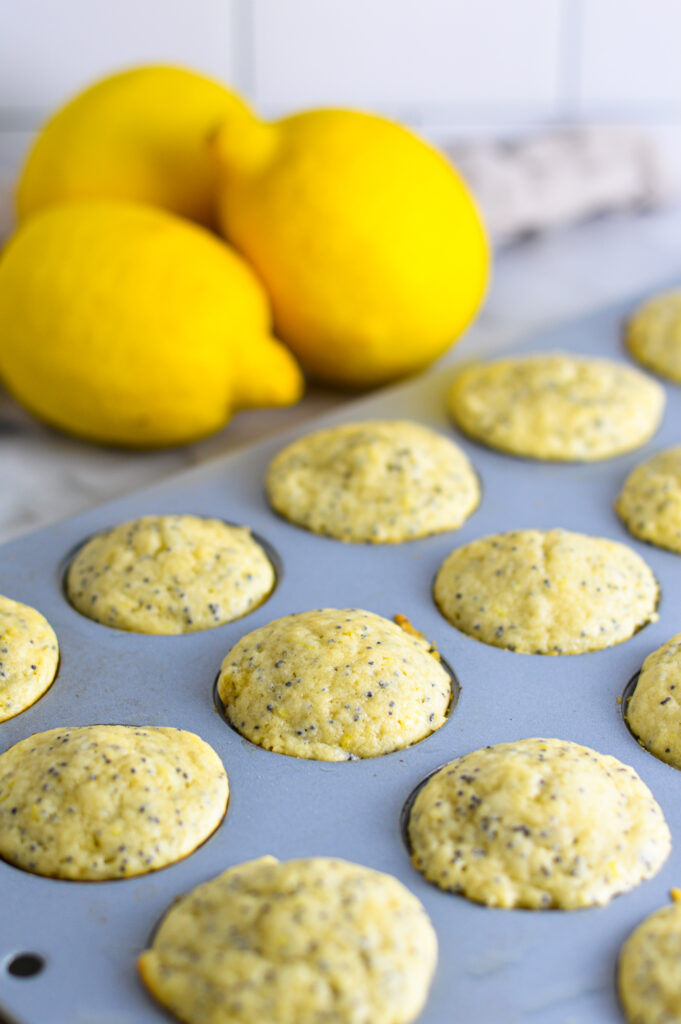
(540,181)
(549,180)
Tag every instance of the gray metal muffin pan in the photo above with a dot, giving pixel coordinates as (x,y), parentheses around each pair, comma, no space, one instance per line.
(495,966)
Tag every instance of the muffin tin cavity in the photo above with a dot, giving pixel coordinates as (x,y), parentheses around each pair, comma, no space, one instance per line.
(546,591)
(453,701)
(627,694)
(376,482)
(170,575)
(104,802)
(29,657)
(335,685)
(555,406)
(537,824)
(651,703)
(308,939)
(649,503)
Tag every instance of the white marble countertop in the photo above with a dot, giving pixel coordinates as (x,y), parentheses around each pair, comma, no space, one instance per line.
(46,476)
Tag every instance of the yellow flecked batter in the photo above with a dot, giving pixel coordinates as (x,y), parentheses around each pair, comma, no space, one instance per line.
(334,685)
(537,823)
(29,656)
(649,969)
(381,481)
(650,502)
(546,591)
(169,574)
(653,335)
(108,801)
(653,712)
(314,941)
(557,406)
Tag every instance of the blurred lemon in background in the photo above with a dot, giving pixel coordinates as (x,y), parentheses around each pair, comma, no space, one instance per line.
(122,323)
(368,242)
(140,135)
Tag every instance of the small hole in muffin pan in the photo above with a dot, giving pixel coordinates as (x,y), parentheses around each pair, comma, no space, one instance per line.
(453,701)
(271,552)
(25,965)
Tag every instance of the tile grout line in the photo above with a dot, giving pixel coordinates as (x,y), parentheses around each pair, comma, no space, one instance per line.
(569,64)
(243,48)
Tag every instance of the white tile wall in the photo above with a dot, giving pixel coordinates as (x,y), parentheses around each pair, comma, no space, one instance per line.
(629,56)
(407,55)
(450,66)
(52,48)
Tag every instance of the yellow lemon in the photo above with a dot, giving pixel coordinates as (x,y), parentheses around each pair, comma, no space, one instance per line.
(122,323)
(369,244)
(138,135)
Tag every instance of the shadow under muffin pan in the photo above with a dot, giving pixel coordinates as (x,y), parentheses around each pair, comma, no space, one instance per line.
(495,965)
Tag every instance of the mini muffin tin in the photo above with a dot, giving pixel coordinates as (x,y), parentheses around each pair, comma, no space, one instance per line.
(68,949)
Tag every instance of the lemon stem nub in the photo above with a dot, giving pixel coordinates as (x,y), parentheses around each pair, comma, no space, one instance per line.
(243,145)
(266,374)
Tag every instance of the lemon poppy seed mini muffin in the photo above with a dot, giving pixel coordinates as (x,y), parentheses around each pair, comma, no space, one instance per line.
(653,335)
(649,968)
(649,504)
(546,591)
(557,406)
(108,801)
(537,823)
(29,656)
(653,711)
(379,481)
(169,574)
(293,943)
(334,685)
